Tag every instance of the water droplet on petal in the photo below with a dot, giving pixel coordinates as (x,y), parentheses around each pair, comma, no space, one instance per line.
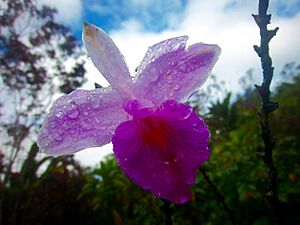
(73,115)
(171,92)
(176,87)
(153,74)
(58,137)
(102,128)
(97,102)
(190,180)
(182,66)
(85,113)
(97,120)
(59,114)
(187,115)
(86,124)
(169,79)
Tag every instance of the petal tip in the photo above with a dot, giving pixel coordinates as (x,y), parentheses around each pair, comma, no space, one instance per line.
(85,24)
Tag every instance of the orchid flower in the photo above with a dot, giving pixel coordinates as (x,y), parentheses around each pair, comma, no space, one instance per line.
(158,141)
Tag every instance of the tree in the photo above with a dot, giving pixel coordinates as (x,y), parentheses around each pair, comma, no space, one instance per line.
(38,59)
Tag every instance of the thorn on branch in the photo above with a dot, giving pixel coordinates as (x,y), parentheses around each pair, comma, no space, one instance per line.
(257,50)
(262,20)
(257,19)
(272,33)
(270,106)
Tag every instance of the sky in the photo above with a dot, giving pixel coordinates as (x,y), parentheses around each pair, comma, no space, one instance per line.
(134,25)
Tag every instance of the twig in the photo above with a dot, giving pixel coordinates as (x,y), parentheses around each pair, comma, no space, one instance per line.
(219,196)
(262,20)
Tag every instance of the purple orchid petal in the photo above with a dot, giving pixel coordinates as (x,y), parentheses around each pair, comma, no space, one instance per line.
(161,149)
(106,57)
(169,71)
(81,120)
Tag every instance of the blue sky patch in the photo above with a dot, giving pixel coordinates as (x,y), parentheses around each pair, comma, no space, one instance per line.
(287,8)
(282,8)
(151,14)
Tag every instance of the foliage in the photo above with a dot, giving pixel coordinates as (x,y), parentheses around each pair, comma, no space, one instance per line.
(47,198)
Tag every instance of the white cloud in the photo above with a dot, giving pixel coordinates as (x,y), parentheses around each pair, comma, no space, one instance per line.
(68,11)
(211,22)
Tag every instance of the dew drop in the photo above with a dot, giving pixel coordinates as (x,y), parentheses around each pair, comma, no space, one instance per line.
(73,115)
(171,92)
(182,66)
(187,116)
(176,87)
(169,79)
(97,120)
(154,74)
(102,128)
(190,180)
(58,137)
(86,124)
(59,114)
(96,103)
(85,113)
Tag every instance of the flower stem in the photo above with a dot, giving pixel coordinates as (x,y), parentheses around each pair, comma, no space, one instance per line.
(262,19)
(168,212)
(219,196)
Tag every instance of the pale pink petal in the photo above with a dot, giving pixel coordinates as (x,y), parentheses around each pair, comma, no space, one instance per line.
(170,71)
(81,120)
(162,149)
(106,57)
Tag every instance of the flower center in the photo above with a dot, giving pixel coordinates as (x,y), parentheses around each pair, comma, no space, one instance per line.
(154,132)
